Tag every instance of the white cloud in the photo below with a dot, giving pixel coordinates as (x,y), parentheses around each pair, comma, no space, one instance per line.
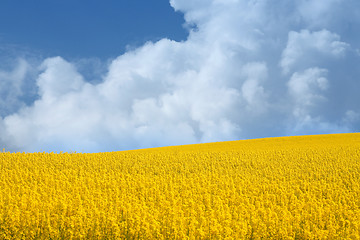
(223,83)
(305,48)
(252,90)
(59,78)
(320,12)
(306,89)
(11,83)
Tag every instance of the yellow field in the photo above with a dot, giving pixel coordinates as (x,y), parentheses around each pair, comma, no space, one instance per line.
(304,187)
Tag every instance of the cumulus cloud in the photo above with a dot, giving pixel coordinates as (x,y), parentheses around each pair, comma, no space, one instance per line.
(306,88)
(306,48)
(11,87)
(248,69)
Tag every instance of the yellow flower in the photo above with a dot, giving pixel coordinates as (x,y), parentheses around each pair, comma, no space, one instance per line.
(304,187)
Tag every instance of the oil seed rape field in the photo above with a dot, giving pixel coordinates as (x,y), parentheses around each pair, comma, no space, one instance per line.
(305,187)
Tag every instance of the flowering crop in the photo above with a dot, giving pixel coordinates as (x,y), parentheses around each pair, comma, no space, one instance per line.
(304,187)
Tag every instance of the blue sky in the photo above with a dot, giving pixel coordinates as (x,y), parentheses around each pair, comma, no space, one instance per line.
(83,29)
(93,76)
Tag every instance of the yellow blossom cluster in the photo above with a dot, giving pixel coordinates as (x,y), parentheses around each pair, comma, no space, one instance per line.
(305,187)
